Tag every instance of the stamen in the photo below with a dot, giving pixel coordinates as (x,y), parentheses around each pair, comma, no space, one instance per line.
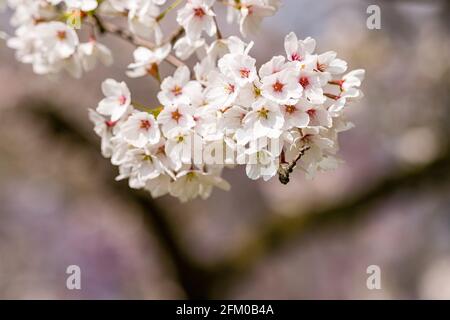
(230,88)
(296,57)
(263,113)
(61,35)
(147,158)
(161,150)
(145,124)
(321,67)
(110,124)
(311,113)
(122,100)
(244,73)
(177,90)
(199,12)
(290,109)
(278,86)
(304,82)
(176,115)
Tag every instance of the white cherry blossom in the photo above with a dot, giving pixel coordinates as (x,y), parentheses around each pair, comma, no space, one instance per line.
(327,62)
(83,5)
(57,39)
(222,90)
(298,50)
(311,83)
(261,164)
(93,51)
(142,19)
(222,112)
(295,115)
(240,67)
(197,16)
(184,47)
(265,119)
(175,117)
(140,129)
(190,184)
(146,61)
(117,99)
(281,87)
(104,128)
(252,14)
(179,146)
(178,88)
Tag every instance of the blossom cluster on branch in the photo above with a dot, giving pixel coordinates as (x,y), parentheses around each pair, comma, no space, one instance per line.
(226,111)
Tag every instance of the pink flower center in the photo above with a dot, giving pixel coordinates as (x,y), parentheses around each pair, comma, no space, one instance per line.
(244,72)
(230,88)
(110,124)
(61,35)
(161,150)
(177,90)
(122,100)
(176,115)
(290,109)
(263,113)
(199,12)
(304,82)
(278,86)
(321,67)
(295,57)
(145,124)
(311,113)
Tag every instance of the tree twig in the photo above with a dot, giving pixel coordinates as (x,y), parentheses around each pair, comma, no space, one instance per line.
(218,33)
(168,9)
(177,34)
(285,170)
(106,27)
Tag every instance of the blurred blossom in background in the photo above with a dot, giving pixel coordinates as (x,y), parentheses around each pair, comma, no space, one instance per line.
(262,240)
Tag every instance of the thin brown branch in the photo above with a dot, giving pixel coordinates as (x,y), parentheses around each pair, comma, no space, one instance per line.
(285,170)
(218,33)
(106,27)
(177,34)
(174,4)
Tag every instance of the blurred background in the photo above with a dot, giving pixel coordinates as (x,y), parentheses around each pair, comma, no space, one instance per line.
(388,205)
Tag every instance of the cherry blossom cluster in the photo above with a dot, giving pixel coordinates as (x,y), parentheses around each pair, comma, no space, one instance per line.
(46,37)
(46,41)
(230,114)
(227,111)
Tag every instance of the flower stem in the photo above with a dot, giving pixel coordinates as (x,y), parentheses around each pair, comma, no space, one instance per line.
(218,33)
(169,8)
(106,27)
(141,107)
(285,170)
